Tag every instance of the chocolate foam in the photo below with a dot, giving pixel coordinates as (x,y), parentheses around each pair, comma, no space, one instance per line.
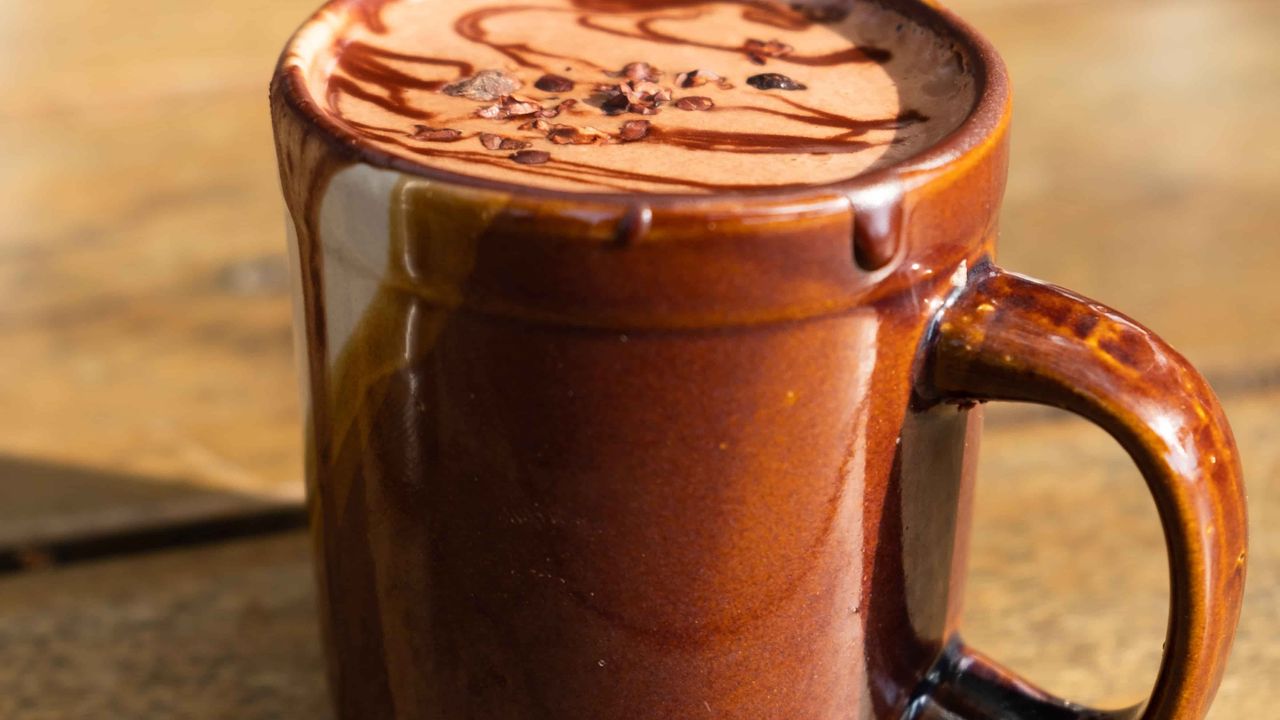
(861,87)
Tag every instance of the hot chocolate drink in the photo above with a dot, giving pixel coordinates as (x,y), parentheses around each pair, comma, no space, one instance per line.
(593,430)
(672,96)
(644,343)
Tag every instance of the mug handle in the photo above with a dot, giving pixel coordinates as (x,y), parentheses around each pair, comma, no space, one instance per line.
(1008,337)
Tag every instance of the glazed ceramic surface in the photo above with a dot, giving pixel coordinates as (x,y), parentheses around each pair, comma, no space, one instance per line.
(625,456)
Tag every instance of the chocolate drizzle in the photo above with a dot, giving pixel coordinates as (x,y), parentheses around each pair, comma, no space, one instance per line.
(757,143)
(471,27)
(370,12)
(693,139)
(389,80)
(821,118)
(365,62)
(645,30)
(365,65)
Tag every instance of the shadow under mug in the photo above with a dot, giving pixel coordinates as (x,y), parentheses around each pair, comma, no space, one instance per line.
(614,456)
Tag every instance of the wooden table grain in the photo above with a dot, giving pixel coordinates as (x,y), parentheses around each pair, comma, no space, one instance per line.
(144,309)
(147,377)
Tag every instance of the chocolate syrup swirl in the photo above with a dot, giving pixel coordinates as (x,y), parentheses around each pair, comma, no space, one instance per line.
(647,31)
(471,27)
(402,84)
(365,65)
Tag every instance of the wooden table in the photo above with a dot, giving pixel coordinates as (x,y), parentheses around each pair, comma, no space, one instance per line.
(151,405)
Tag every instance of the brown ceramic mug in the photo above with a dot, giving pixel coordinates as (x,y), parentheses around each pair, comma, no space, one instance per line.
(610,456)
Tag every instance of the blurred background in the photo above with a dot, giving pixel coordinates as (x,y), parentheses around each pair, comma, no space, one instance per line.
(152,561)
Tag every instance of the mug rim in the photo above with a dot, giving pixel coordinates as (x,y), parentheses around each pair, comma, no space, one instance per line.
(963,147)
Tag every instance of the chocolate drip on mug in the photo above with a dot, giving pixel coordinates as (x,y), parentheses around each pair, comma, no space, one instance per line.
(877,225)
(634,225)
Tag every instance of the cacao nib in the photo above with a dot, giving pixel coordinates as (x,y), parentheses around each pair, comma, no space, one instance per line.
(758,50)
(430,134)
(774,81)
(638,72)
(698,78)
(569,135)
(484,86)
(509,106)
(634,130)
(554,84)
(695,103)
(498,142)
(531,157)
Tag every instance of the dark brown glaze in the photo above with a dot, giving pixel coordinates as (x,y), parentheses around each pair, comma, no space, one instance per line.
(629,341)
(877,225)
(1010,338)
(523,513)
(584,457)
(423,615)
(635,225)
(307,164)
(967,684)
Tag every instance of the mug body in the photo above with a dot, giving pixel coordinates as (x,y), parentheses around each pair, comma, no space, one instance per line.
(576,456)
